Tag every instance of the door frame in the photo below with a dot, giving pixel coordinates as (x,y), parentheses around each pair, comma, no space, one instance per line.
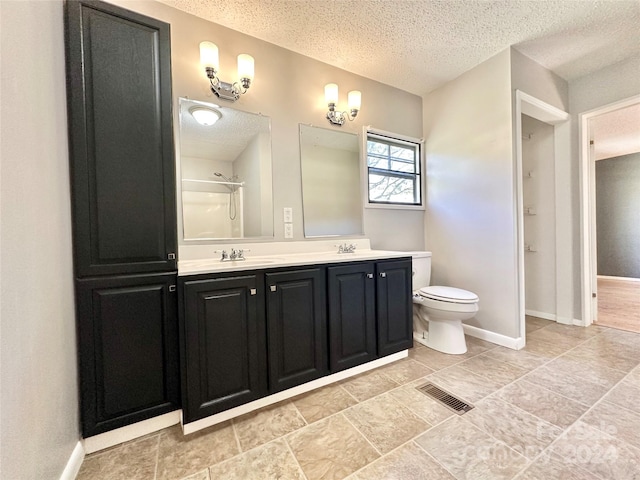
(588,243)
(559,119)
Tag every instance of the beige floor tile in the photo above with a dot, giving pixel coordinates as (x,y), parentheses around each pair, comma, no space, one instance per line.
(475,346)
(267,462)
(611,355)
(266,424)
(626,394)
(385,422)
(535,323)
(544,349)
(599,453)
(434,359)
(594,372)
(575,331)
(134,460)
(469,453)
(616,421)
(551,467)
(203,475)
(408,462)
(496,370)
(575,388)
(543,403)
(368,385)
(552,336)
(519,358)
(523,432)
(406,370)
(631,339)
(323,402)
(464,384)
(331,449)
(425,407)
(182,455)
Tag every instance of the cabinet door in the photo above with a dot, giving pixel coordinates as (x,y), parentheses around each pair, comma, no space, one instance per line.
(120,140)
(394,306)
(224,358)
(296,327)
(128,350)
(352,322)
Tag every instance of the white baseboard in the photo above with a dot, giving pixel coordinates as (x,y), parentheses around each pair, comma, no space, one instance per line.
(623,279)
(192,427)
(497,338)
(543,315)
(124,434)
(70,472)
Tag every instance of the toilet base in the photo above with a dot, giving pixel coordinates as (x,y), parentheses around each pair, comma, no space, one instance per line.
(444,336)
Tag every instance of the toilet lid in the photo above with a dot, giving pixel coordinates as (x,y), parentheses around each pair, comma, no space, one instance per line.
(449,294)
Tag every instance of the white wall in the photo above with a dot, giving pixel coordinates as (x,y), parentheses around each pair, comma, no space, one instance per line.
(38,399)
(289,88)
(538,192)
(611,84)
(247,167)
(470,217)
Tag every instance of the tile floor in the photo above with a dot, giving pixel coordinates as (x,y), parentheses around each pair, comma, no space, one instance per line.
(565,407)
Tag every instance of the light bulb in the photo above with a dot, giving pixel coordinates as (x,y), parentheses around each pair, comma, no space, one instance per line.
(245,66)
(331,93)
(355,100)
(209,57)
(205,116)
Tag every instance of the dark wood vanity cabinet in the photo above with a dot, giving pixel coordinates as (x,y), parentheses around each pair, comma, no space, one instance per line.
(120,140)
(394,307)
(352,315)
(128,349)
(224,361)
(122,170)
(296,327)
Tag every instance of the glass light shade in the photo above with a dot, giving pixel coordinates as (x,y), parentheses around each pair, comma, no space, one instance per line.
(331,93)
(209,56)
(245,66)
(205,116)
(355,100)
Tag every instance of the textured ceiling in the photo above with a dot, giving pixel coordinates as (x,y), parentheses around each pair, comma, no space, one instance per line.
(616,133)
(417,45)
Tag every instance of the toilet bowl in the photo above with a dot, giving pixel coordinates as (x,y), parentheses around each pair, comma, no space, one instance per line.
(438,311)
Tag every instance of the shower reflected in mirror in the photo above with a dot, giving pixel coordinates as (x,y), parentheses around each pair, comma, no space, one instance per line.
(226,178)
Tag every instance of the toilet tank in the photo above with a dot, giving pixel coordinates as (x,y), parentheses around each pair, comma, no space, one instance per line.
(421,269)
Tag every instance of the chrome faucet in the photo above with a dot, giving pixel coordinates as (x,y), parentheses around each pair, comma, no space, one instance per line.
(236,254)
(344,248)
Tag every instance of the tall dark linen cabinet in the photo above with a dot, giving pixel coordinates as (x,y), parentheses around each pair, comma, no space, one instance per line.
(124,208)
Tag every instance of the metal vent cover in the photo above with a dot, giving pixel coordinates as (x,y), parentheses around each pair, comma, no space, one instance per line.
(445,398)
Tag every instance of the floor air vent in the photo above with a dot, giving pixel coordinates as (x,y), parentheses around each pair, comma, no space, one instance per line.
(445,398)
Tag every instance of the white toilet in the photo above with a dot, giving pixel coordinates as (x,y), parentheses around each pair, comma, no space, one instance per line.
(440,310)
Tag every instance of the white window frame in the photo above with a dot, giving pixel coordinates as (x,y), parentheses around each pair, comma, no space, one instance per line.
(366,131)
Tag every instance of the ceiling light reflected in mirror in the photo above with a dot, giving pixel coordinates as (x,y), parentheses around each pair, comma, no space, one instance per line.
(205,116)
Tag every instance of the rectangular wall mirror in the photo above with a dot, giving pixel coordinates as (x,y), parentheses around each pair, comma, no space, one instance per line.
(331,198)
(225,167)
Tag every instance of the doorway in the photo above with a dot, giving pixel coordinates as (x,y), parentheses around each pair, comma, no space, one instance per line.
(610,164)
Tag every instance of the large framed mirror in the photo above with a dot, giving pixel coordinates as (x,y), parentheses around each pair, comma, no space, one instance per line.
(331,198)
(225,169)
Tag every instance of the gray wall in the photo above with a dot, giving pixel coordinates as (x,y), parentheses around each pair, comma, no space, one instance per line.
(618,216)
(39,400)
(289,88)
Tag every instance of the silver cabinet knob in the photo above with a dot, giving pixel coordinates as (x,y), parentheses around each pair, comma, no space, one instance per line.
(383,274)
(369,275)
(273,288)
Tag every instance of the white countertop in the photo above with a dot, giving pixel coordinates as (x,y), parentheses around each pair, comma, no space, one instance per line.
(206,259)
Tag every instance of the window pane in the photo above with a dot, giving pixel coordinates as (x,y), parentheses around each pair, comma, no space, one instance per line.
(384,188)
(378,162)
(403,153)
(378,148)
(403,167)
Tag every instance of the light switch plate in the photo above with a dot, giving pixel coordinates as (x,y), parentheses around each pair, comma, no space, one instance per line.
(288,230)
(287,214)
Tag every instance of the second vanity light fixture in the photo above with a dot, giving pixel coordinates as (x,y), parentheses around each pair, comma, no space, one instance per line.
(210,60)
(331,96)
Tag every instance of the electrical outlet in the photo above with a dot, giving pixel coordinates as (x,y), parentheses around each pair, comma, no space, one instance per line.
(288,230)
(287,214)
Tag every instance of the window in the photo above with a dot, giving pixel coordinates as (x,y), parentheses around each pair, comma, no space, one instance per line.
(393,171)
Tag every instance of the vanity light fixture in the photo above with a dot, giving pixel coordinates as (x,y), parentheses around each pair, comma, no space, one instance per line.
(205,116)
(331,96)
(210,60)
